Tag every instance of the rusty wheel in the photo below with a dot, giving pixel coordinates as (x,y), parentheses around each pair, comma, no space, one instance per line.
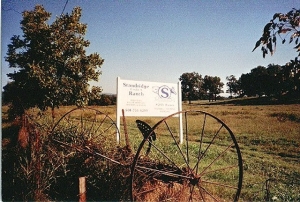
(86,138)
(86,129)
(207,166)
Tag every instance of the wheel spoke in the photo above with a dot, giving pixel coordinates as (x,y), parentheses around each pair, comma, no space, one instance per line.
(162,153)
(200,145)
(213,139)
(101,124)
(210,194)
(200,192)
(164,172)
(186,139)
(177,145)
(92,126)
(82,135)
(219,184)
(205,160)
(218,157)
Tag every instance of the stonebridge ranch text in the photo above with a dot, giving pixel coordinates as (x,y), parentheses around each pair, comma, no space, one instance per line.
(137,87)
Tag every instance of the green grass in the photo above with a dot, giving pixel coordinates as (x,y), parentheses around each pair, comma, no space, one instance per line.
(268,136)
(270,147)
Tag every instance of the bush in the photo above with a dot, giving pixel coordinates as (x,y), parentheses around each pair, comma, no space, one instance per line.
(105,100)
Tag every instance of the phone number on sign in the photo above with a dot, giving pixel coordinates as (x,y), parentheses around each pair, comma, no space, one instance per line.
(136,110)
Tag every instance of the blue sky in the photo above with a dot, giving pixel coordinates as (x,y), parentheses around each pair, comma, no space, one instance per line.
(158,40)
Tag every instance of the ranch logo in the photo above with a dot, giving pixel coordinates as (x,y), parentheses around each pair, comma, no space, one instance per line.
(164,91)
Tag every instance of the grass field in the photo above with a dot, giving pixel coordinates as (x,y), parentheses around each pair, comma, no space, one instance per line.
(268,136)
(269,139)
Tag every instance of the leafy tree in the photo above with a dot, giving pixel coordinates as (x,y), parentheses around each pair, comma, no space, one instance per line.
(106,100)
(255,82)
(9,98)
(246,84)
(232,84)
(95,95)
(52,66)
(285,26)
(259,79)
(285,79)
(191,86)
(291,78)
(213,86)
(274,80)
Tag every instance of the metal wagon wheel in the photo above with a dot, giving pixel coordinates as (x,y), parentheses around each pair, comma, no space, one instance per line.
(86,137)
(86,129)
(207,166)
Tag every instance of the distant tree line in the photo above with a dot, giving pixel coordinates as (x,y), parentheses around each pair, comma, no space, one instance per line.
(104,100)
(53,69)
(274,80)
(195,87)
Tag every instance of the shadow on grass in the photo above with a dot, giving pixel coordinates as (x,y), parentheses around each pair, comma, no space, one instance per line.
(255,101)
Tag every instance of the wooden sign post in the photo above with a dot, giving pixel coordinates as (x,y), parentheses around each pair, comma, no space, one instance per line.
(82,189)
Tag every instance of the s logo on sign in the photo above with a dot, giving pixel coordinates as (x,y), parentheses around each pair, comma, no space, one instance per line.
(164,91)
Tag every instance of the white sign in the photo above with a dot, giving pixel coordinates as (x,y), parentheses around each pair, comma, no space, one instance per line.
(143,98)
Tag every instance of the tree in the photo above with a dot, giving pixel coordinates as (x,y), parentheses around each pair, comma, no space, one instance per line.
(53,68)
(106,100)
(9,98)
(232,84)
(191,86)
(95,95)
(246,83)
(259,78)
(255,82)
(284,26)
(213,86)
(274,80)
(291,78)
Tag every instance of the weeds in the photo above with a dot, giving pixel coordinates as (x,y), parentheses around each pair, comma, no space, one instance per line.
(282,116)
(268,136)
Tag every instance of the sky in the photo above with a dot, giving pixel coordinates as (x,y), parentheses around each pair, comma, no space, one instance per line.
(159,40)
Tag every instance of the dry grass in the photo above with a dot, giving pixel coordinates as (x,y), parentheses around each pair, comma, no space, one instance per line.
(269,138)
(268,135)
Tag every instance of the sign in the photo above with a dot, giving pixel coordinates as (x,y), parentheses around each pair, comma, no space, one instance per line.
(151,99)
(142,98)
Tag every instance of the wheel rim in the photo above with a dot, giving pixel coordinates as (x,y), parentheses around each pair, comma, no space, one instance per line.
(207,166)
(86,138)
(82,127)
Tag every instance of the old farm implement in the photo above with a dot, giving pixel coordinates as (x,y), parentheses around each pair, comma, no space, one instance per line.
(149,163)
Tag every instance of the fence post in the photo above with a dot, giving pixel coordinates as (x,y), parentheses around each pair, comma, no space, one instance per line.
(82,189)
